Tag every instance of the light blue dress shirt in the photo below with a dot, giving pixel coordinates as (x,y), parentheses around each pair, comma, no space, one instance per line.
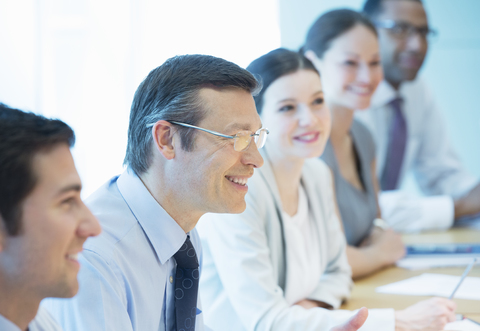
(43,322)
(429,157)
(127,278)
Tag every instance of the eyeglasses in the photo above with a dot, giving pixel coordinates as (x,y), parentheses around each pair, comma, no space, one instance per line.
(241,140)
(403,29)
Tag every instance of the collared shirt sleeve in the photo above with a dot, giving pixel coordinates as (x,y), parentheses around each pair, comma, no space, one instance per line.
(100,305)
(407,213)
(430,157)
(437,167)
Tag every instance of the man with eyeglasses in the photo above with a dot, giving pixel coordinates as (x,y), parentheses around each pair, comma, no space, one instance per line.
(193,141)
(409,130)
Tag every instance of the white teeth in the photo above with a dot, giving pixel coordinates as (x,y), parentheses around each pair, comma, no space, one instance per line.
(309,137)
(73,256)
(236,180)
(361,90)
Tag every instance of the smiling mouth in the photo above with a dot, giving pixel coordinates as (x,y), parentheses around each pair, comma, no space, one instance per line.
(238,180)
(360,90)
(311,137)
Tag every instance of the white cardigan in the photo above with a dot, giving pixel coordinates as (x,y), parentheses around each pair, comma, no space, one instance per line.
(245,264)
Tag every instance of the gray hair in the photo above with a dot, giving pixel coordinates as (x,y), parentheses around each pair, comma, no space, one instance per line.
(171,92)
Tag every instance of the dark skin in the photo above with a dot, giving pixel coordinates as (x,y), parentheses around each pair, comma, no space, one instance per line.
(402,58)
(469,204)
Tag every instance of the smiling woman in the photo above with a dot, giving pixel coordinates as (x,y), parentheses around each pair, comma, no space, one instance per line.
(289,220)
(343,46)
(274,266)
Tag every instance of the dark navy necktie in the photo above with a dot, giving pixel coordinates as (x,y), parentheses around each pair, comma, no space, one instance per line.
(186,286)
(396,148)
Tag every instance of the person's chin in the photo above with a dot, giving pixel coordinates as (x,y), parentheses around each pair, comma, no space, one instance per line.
(314,152)
(67,289)
(409,74)
(363,104)
(234,205)
(73,290)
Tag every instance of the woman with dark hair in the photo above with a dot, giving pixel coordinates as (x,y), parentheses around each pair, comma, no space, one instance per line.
(281,262)
(343,46)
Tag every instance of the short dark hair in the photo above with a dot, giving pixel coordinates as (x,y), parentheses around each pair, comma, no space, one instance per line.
(275,64)
(371,8)
(170,92)
(22,136)
(331,25)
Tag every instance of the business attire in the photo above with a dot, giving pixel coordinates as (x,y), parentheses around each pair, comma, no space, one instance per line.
(358,208)
(248,260)
(127,275)
(428,153)
(43,321)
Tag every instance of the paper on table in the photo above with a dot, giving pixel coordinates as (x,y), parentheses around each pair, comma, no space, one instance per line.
(435,285)
(464,325)
(418,263)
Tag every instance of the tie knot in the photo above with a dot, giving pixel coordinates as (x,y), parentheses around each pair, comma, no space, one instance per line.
(186,256)
(397,104)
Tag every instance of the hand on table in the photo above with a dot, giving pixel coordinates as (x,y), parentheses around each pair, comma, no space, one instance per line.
(387,244)
(354,323)
(427,315)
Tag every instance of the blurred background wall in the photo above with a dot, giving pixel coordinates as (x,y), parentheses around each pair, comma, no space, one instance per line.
(81,60)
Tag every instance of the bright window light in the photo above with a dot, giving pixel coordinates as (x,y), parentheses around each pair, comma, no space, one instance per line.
(81,61)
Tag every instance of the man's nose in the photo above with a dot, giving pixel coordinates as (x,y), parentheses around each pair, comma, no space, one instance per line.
(251,156)
(89,225)
(416,42)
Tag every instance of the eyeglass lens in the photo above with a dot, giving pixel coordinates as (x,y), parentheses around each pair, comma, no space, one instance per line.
(404,30)
(261,138)
(243,139)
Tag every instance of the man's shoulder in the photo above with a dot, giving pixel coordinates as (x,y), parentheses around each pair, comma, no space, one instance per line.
(114,215)
(44,322)
(105,197)
(6,325)
(418,99)
(416,90)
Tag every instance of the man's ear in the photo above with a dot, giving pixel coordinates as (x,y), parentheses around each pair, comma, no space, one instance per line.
(163,138)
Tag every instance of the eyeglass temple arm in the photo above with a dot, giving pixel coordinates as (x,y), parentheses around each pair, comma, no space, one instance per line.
(202,129)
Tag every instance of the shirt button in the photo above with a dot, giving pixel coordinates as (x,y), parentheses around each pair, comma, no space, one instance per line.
(171,280)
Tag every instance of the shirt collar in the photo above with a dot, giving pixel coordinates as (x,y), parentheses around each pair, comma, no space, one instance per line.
(165,235)
(384,94)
